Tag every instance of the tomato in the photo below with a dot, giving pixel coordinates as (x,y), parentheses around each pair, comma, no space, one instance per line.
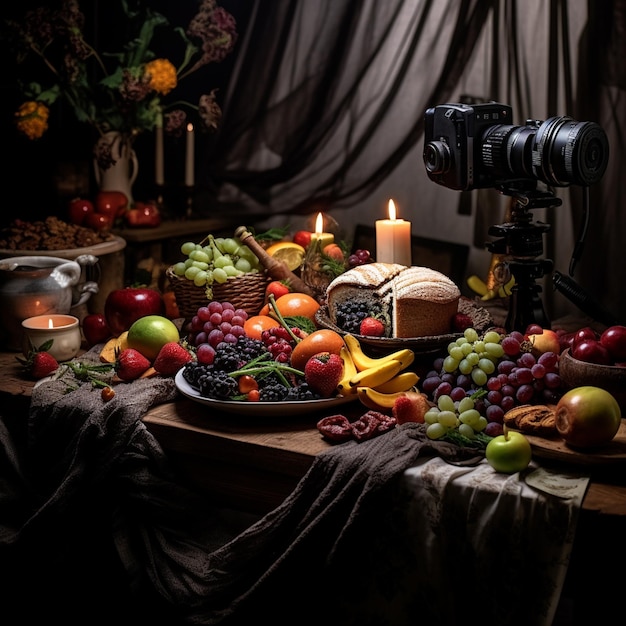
(302,238)
(78,209)
(111,203)
(278,288)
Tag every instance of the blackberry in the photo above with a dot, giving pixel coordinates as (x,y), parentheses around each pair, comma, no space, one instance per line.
(217,385)
(351,313)
(302,392)
(233,356)
(273,392)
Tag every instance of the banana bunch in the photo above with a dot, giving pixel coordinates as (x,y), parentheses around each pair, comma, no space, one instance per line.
(479,286)
(376,381)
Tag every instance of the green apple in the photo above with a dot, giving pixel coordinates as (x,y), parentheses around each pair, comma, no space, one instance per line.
(509,453)
(587,416)
(150,333)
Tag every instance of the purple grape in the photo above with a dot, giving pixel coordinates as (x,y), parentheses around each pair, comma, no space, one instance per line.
(438,363)
(550,396)
(526,360)
(430,383)
(494,383)
(538,370)
(549,360)
(524,376)
(495,413)
(508,402)
(508,390)
(494,397)
(458,393)
(449,378)
(494,429)
(200,338)
(510,345)
(516,334)
(524,394)
(464,381)
(552,380)
(506,366)
(443,389)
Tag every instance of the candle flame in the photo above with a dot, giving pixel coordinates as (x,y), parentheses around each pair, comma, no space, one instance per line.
(189,127)
(392,210)
(50,323)
(319,224)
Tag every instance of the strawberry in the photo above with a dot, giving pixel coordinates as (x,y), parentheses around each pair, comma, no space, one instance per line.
(131,364)
(410,408)
(322,372)
(43,364)
(171,358)
(461,321)
(372,327)
(39,363)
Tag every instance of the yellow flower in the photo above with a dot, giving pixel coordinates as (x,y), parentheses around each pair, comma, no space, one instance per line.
(32,119)
(162,75)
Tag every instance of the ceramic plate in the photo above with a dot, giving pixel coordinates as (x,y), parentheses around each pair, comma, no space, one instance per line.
(260,409)
(480,317)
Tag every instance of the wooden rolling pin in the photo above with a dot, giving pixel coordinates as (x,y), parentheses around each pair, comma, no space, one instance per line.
(276,269)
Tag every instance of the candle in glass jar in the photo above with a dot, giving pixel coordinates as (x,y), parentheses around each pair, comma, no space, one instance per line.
(189,160)
(393,239)
(62,330)
(319,234)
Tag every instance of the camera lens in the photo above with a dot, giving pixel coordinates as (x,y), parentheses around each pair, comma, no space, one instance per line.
(437,157)
(559,152)
(568,151)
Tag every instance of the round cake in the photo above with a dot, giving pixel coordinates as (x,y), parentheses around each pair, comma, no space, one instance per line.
(416,301)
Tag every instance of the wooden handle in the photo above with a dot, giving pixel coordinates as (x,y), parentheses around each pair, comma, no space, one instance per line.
(275,268)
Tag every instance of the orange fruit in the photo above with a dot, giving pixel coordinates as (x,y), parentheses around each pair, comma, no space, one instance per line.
(323,340)
(293,305)
(290,253)
(256,324)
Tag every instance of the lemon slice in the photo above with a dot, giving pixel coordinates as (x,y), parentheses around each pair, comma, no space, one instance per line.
(290,253)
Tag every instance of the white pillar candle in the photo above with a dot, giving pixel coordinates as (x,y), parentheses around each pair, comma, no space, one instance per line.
(159,169)
(189,160)
(393,239)
(319,235)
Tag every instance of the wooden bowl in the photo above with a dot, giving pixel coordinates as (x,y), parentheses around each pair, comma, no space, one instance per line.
(576,373)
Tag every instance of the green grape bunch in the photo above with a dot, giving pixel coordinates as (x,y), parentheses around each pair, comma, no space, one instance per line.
(215,260)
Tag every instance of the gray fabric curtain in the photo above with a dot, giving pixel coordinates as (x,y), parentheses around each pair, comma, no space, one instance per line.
(326,103)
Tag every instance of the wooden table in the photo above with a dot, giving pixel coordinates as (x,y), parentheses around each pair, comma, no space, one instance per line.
(253,464)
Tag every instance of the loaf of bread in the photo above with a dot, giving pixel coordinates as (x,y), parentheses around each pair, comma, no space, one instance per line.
(417,301)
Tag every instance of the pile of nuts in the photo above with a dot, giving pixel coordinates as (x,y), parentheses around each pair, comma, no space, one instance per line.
(50,234)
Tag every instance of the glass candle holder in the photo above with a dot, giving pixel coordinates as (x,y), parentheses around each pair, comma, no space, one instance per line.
(63,330)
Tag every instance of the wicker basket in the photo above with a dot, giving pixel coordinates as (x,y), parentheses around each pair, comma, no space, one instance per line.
(245,292)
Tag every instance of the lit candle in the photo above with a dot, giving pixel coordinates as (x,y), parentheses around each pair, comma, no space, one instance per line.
(63,330)
(319,234)
(393,239)
(159,175)
(189,161)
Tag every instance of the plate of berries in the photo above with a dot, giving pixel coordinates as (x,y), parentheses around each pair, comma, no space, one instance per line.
(260,408)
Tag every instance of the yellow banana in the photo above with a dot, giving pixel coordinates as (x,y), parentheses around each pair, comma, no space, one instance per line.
(363,361)
(376,400)
(349,370)
(503,291)
(478,285)
(402,382)
(377,375)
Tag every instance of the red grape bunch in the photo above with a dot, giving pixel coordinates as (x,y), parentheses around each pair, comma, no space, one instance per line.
(359,257)
(213,324)
(280,343)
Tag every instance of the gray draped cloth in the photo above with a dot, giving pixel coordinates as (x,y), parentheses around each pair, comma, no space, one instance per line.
(92,514)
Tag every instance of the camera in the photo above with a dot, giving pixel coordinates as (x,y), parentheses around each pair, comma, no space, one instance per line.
(476,146)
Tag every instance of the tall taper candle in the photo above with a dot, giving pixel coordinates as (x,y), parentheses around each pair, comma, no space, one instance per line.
(393,239)
(189,160)
(159,173)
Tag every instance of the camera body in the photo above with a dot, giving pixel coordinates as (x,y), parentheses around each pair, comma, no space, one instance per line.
(476,146)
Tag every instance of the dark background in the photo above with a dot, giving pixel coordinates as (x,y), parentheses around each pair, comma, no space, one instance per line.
(39,177)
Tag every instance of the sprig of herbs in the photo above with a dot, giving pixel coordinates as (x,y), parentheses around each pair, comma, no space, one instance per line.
(263,366)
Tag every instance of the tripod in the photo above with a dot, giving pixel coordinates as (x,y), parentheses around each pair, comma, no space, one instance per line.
(521,240)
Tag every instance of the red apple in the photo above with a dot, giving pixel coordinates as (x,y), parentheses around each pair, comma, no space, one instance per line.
(302,238)
(547,341)
(584,334)
(509,453)
(614,340)
(98,221)
(587,416)
(591,351)
(95,329)
(124,306)
(78,209)
(111,203)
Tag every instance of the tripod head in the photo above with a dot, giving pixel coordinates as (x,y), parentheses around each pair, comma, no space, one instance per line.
(521,241)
